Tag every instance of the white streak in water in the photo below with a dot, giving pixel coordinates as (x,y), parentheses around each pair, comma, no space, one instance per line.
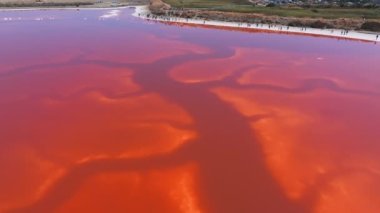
(110,14)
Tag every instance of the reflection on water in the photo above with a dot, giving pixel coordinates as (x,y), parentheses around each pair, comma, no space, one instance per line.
(118,114)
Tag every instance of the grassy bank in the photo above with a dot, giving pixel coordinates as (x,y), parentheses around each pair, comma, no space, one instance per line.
(243,6)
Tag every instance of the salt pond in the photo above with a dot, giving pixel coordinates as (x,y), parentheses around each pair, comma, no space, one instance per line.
(101,111)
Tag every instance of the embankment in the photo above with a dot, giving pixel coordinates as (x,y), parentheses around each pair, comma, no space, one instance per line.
(158,7)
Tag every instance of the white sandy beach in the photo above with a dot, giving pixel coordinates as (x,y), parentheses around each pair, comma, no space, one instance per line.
(143,12)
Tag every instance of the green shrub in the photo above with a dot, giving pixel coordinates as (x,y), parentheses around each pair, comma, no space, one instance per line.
(371,26)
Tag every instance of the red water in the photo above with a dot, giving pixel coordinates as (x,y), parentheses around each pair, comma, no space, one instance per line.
(125,115)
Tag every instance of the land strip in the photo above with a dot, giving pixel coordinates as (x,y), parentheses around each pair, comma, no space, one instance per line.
(145,12)
(367,19)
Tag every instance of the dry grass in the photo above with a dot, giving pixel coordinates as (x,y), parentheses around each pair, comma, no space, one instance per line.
(243,6)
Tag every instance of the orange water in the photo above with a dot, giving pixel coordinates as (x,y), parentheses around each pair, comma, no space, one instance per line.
(125,115)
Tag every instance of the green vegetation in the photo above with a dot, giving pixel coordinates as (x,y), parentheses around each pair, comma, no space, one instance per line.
(329,13)
(207,4)
(243,6)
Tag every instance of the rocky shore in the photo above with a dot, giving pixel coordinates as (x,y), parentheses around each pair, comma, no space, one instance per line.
(158,7)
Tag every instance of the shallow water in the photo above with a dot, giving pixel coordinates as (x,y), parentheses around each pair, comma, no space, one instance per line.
(104,112)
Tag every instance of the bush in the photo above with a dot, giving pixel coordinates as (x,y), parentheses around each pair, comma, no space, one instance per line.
(320,24)
(296,23)
(371,26)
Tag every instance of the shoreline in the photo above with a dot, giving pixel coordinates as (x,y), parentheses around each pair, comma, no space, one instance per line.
(144,13)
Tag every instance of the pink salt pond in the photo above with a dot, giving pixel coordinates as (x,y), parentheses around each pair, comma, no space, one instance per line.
(101,111)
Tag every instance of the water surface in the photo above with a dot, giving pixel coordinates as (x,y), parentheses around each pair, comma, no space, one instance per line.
(104,112)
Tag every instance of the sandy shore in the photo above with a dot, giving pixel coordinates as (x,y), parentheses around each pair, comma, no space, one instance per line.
(64,8)
(143,12)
